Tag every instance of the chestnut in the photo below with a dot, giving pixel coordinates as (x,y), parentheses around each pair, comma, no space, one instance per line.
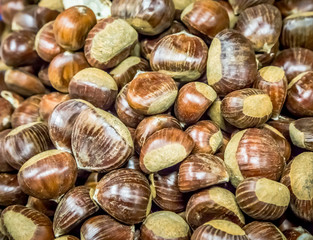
(72,26)
(221,229)
(10,190)
(12,97)
(127,69)
(167,194)
(297,233)
(150,125)
(164,225)
(4,166)
(282,125)
(48,175)
(74,207)
(105,47)
(5,114)
(140,15)
(95,86)
(23,83)
(241,108)
(261,24)
(273,81)
(241,5)
(231,62)
(298,178)
(151,93)
(24,142)
(294,61)
(125,112)
(10,7)
(253,153)
(205,18)
(296,31)
(165,148)
(61,122)
(201,170)
(133,163)
(104,227)
(17,49)
(301,133)
(45,43)
(182,56)
(192,101)
(207,136)
(47,207)
(100,141)
(63,67)
(23,223)
(44,76)
(300,95)
(48,103)
(125,194)
(263,231)
(210,204)
(288,7)
(265,59)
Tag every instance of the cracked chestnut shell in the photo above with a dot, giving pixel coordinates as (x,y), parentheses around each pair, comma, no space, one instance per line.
(263,231)
(125,194)
(301,133)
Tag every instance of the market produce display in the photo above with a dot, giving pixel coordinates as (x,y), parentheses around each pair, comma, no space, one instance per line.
(156,119)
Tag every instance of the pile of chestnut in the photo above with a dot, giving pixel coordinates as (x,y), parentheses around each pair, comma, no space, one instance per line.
(156,120)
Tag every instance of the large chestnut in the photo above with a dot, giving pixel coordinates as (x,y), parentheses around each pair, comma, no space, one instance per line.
(263,231)
(125,194)
(301,133)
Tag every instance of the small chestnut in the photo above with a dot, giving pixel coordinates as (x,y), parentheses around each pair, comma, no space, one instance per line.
(301,133)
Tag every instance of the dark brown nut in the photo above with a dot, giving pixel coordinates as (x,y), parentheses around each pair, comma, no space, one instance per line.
(63,67)
(5,114)
(10,7)
(150,125)
(100,141)
(207,136)
(12,97)
(231,62)
(62,120)
(23,83)
(104,227)
(261,24)
(125,112)
(288,7)
(213,203)
(32,18)
(4,166)
(294,61)
(67,237)
(263,231)
(297,233)
(105,47)
(273,81)
(265,59)
(95,86)
(193,100)
(301,133)
(48,175)
(72,26)
(125,194)
(23,223)
(240,5)
(282,125)
(298,177)
(24,142)
(126,70)
(165,148)
(48,103)
(10,190)
(253,153)
(262,199)
(166,192)
(138,13)
(300,95)
(151,93)
(205,18)
(201,170)
(164,225)
(45,43)
(46,207)
(219,228)
(17,49)
(75,206)
(27,112)
(242,108)
(296,31)
(180,55)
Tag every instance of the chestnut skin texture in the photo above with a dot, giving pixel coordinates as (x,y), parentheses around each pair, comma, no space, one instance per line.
(282,125)
(104,227)
(72,26)
(241,5)
(5,114)
(297,233)
(288,7)
(263,231)
(46,207)
(125,194)
(4,166)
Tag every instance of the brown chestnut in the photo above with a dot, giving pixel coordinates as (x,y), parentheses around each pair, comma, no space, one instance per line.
(263,231)
(301,133)
(288,7)
(10,7)
(95,86)
(5,114)
(4,166)
(282,125)
(47,207)
(72,26)
(241,5)
(43,75)
(125,194)
(265,59)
